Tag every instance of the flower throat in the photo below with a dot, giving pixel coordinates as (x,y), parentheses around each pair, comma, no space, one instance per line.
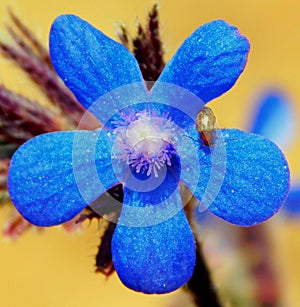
(145,141)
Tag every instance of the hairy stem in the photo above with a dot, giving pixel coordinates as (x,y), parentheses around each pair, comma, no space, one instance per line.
(200,285)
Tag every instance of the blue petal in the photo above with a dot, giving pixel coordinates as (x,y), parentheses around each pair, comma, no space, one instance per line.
(187,147)
(209,61)
(274,118)
(54,176)
(90,63)
(153,246)
(158,258)
(153,192)
(196,171)
(254,183)
(182,105)
(292,203)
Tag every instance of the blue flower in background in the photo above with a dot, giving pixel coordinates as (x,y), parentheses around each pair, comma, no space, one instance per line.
(275,119)
(150,144)
(291,206)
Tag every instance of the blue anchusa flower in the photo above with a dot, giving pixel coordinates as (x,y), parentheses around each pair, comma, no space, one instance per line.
(275,107)
(150,144)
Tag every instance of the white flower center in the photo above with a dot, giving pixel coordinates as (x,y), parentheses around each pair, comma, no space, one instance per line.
(145,143)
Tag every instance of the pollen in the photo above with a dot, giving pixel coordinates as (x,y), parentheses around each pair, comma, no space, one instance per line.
(146,142)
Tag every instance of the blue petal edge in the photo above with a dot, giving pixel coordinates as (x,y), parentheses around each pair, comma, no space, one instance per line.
(209,61)
(52,177)
(255,182)
(154,259)
(90,63)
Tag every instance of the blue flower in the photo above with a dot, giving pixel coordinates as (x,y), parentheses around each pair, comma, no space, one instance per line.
(149,143)
(275,119)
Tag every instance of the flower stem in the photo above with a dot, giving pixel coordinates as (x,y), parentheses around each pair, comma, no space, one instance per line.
(200,285)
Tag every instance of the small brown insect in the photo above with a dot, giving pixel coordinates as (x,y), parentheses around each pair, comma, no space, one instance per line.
(206,125)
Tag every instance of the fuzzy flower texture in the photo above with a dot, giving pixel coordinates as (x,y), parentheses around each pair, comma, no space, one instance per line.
(150,143)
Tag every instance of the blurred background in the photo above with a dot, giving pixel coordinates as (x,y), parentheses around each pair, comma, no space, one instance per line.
(53,268)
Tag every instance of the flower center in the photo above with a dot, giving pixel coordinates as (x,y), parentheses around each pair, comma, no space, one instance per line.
(145,142)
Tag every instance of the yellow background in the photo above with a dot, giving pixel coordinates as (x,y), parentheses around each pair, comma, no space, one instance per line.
(56,269)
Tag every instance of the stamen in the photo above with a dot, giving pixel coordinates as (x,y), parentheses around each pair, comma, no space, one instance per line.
(145,141)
